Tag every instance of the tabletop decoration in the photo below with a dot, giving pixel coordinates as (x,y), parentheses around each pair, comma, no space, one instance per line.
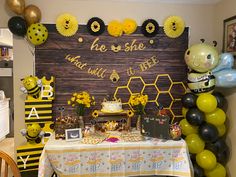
(138,102)
(80,101)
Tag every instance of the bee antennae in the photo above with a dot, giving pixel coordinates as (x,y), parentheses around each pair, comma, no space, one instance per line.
(214,43)
(202,40)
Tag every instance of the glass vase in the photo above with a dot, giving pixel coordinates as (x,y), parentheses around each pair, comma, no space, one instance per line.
(139,122)
(81,121)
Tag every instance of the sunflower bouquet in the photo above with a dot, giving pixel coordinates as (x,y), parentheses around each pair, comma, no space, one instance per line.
(138,102)
(81,101)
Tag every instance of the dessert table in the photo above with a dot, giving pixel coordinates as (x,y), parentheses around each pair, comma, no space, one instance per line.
(121,159)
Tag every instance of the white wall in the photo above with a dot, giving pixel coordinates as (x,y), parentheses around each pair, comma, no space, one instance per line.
(6,37)
(224,10)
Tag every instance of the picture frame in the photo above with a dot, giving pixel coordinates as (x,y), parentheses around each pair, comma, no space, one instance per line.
(229,36)
(73,134)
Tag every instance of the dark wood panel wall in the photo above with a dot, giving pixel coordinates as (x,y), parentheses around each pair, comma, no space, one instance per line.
(154,66)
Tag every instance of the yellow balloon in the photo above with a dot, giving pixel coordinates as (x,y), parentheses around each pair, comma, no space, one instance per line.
(16,6)
(37,33)
(206,102)
(221,129)
(206,159)
(32,14)
(184,111)
(218,171)
(195,143)
(216,117)
(187,128)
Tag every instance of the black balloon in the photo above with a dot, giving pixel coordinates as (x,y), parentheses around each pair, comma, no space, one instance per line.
(221,101)
(223,157)
(194,116)
(192,157)
(198,171)
(189,100)
(208,132)
(220,145)
(17,25)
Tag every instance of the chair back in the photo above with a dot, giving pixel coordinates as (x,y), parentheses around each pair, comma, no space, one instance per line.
(5,162)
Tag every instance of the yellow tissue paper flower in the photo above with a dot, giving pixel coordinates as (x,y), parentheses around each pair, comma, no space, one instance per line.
(129,26)
(67,24)
(115,28)
(174,26)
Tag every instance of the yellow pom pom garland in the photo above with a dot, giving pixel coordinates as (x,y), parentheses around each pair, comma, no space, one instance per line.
(115,28)
(129,26)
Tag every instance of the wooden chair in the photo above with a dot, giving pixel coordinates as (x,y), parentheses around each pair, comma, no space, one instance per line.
(8,162)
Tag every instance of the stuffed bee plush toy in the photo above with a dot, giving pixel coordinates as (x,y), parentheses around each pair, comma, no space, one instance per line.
(33,133)
(32,86)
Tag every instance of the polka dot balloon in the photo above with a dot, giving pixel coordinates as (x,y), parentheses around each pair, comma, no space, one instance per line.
(37,34)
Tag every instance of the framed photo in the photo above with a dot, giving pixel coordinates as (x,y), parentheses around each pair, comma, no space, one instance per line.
(73,134)
(229,40)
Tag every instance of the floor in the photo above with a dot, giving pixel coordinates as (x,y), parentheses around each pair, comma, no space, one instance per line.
(7,145)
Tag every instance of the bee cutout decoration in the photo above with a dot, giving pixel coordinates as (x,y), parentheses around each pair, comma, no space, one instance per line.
(31,86)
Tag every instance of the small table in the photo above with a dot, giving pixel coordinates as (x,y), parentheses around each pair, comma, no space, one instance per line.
(122,159)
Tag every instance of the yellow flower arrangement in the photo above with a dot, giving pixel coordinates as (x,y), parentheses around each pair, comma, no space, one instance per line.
(81,101)
(139,102)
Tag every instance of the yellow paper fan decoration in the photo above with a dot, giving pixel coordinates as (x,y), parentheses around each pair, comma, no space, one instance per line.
(67,24)
(174,26)
(129,26)
(115,28)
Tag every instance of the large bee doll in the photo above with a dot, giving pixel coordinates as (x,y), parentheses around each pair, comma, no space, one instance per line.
(201,59)
(32,86)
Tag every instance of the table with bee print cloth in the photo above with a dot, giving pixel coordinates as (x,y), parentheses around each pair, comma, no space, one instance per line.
(121,159)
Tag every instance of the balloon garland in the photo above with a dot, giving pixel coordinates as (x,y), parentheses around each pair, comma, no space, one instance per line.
(20,26)
(204,118)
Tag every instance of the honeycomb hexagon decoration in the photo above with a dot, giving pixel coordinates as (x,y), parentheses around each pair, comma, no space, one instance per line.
(151,88)
(164,91)
(125,91)
(177,90)
(136,84)
(163,82)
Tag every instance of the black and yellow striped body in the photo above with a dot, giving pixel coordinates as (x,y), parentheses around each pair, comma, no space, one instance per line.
(201,82)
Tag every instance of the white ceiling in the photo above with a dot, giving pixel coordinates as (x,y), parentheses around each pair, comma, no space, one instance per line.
(191,1)
(177,1)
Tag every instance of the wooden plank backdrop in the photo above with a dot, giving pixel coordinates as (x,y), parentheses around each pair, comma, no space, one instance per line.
(142,65)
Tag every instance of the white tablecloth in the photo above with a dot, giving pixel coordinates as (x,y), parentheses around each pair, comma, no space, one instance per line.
(73,159)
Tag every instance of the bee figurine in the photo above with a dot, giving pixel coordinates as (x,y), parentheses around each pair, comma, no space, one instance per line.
(33,133)
(32,86)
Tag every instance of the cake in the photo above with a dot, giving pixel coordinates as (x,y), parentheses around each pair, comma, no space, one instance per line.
(111,106)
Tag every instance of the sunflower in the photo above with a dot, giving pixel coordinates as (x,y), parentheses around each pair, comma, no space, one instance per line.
(67,24)
(115,28)
(174,26)
(95,26)
(130,113)
(129,26)
(95,114)
(150,28)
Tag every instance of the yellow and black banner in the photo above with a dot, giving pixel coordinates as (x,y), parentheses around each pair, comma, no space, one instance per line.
(28,156)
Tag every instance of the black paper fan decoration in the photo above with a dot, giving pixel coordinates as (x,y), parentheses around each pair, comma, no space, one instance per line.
(150,28)
(95,26)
